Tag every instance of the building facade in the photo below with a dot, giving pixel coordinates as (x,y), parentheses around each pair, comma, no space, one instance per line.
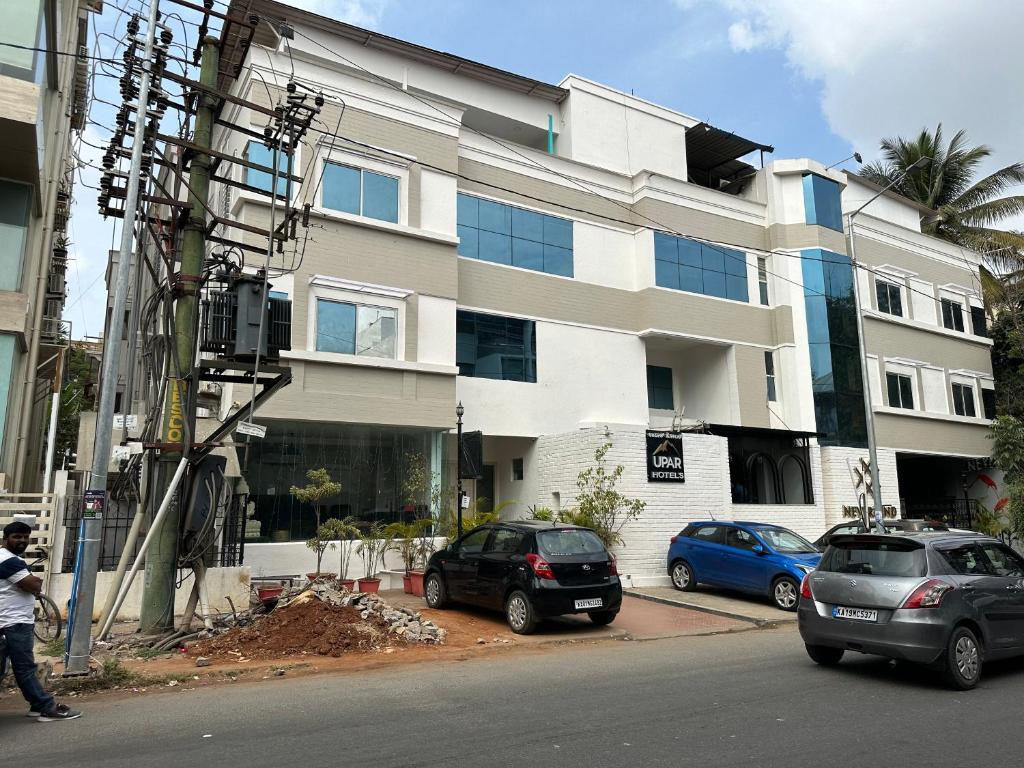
(577,266)
(44,88)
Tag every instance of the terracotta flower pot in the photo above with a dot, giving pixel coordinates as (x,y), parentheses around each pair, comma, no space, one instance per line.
(349,584)
(369,585)
(321,576)
(268,593)
(407,584)
(416,582)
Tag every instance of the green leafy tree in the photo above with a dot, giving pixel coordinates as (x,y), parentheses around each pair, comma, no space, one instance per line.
(599,505)
(1007,434)
(319,488)
(967,208)
(78,394)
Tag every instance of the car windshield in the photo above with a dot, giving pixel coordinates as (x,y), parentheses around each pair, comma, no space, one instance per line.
(568,542)
(786,542)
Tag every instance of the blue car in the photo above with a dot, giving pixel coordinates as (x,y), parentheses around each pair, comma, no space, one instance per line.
(751,557)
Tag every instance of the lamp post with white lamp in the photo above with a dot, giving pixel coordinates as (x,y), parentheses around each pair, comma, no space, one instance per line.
(869,414)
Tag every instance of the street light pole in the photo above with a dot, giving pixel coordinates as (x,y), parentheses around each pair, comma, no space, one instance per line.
(869,413)
(459,410)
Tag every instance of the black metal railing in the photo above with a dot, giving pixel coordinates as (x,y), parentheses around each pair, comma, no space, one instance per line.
(956,513)
(117,521)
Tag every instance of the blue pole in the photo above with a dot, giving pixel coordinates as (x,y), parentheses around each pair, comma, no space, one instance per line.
(551,134)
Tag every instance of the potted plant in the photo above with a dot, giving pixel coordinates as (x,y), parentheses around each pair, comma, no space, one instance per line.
(373,543)
(347,531)
(319,488)
(407,538)
(323,540)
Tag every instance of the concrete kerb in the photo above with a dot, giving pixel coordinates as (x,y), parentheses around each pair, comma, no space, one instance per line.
(682,603)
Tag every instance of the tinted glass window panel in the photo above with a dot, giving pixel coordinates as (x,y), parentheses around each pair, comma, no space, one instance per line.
(892,382)
(969,402)
(15,202)
(473,543)
(691,279)
(689,252)
(979,323)
(257,153)
(528,225)
(906,392)
(822,202)
(952,315)
(495,247)
(817,319)
(882,295)
(735,263)
(659,387)
(375,332)
(736,288)
(527,254)
(710,533)
(666,274)
(665,248)
(468,211)
(988,403)
(712,258)
(341,188)
(558,232)
(762,292)
(1003,561)
(495,217)
(335,327)
(469,242)
(557,261)
(714,284)
(380,197)
(494,347)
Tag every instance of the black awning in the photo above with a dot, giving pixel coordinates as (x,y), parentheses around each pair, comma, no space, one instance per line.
(708,148)
(732,430)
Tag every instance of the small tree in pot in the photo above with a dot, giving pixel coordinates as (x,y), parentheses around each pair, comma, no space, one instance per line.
(319,488)
(347,531)
(410,540)
(373,543)
(321,541)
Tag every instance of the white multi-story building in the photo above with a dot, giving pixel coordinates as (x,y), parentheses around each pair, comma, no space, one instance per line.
(577,266)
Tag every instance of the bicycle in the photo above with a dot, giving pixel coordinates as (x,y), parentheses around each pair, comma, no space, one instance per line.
(48,622)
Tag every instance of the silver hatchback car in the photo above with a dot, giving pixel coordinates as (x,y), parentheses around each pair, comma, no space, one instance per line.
(948,600)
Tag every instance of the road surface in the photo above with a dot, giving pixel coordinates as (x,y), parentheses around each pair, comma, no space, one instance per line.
(751,698)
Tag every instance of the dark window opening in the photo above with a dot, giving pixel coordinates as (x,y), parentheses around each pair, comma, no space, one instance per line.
(988,403)
(963,400)
(979,323)
(494,347)
(768,466)
(769,370)
(901,390)
(659,388)
(762,280)
(517,469)
(952,315)
(889,299)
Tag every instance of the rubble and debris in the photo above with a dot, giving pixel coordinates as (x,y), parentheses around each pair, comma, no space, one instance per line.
(202,661)
(323,619)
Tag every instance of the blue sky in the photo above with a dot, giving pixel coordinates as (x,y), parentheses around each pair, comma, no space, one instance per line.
(814,79)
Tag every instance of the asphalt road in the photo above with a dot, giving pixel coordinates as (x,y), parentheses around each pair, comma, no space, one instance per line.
(749,698)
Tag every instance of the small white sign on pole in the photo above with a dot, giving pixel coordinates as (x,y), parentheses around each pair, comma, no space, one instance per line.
(126,421)
(248,428)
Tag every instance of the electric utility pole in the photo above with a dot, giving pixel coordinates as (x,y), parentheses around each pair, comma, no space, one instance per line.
(79,644)
(162,560)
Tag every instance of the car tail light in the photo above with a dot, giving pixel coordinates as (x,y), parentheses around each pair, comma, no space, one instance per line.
(674,539)
(541,567)
(805,588)
(928,595)
(613,567)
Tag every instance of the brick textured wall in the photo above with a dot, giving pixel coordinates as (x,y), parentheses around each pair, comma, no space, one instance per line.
(836,464)
(670,506)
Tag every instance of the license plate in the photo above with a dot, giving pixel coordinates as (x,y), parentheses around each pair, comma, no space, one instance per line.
(592,603)
(859,614)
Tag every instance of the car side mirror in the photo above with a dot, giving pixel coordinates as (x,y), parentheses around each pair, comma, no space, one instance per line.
(757,549)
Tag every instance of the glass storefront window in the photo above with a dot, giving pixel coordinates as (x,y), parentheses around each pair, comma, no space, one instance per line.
(374,465)
(25,25)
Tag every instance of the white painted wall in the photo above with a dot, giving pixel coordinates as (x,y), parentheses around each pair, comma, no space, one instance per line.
(838,484)
(435,330)
(611,129)
(785,198)
(884,208)
(222,583)
(500,451)
(438,201)
(933,386)
(922,301)
(605,256)
(574,384)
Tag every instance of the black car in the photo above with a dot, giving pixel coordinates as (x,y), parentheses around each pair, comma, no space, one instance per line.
(900,525)
(530,569)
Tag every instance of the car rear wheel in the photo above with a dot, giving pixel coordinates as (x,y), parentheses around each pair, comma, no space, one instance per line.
(434,591)
(963,659)
(519,613)
(602,618)
(821,654)
(682,576)
(785,593)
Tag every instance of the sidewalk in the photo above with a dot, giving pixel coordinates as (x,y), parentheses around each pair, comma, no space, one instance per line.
(722,603)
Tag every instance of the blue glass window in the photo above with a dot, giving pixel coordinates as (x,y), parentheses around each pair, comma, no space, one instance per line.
(360,192)
(355,329)
(687,265)
(504,234)
(833,345)
(494,347)
(255,152)
(659,388)
(822,204)
(15,204)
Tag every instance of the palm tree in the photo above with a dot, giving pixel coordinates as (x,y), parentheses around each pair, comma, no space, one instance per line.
(966,211)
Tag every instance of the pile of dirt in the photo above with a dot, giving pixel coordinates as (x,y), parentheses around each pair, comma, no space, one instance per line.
(303,627)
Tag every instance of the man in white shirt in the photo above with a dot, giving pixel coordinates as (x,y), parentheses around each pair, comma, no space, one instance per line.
(18,590)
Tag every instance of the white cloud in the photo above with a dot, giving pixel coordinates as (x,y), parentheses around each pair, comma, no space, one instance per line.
(894,68)
(362,13)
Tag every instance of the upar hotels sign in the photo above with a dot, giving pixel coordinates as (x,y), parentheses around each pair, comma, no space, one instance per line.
(665,457)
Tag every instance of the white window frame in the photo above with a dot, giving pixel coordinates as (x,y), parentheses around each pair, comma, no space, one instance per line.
(898,282)
(903,368)
(966,380)
(395,168)
(360,294)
